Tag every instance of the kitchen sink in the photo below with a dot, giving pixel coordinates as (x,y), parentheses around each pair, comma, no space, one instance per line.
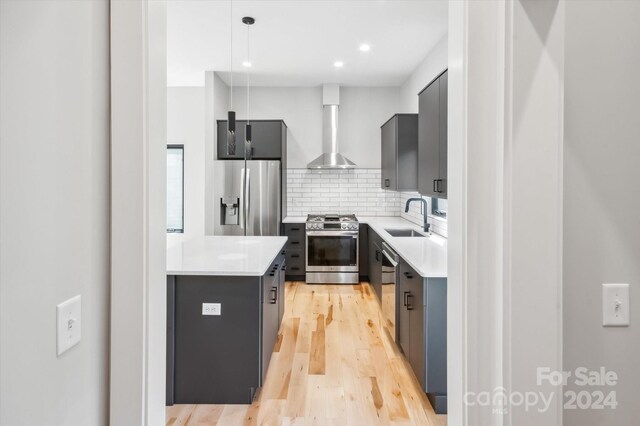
(404,233)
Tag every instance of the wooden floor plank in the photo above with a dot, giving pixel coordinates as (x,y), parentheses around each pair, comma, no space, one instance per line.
(335,363)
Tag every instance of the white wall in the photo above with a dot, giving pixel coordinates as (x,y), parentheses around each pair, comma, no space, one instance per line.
(185,125)
(433,64)
(362,111)
(54,128)
(601,196)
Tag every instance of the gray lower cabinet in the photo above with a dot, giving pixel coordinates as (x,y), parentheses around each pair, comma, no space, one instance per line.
(269,139)
(422,331)
(399,155)
(270,316)
(295,251)
(363,248)
(221,359)
(281,285)
(432,138)
(375,262)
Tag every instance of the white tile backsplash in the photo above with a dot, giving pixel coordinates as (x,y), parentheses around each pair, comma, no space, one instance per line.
(354,191)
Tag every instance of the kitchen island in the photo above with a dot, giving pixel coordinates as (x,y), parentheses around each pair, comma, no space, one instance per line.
(224,309)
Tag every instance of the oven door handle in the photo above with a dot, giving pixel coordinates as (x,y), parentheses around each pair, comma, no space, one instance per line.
(335,233)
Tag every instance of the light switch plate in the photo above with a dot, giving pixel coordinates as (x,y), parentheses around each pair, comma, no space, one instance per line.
(615,305)
(69,324)
(211,309)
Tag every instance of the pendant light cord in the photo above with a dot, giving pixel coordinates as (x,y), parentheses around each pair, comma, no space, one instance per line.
(231,53)
(247,147)
(248,71)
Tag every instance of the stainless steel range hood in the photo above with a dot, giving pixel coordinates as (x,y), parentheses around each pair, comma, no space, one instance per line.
(331,157)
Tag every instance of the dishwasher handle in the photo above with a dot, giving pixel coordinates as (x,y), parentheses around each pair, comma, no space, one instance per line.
(391,256)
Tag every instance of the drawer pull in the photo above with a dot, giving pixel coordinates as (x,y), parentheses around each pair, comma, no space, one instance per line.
(409,305)
(295,229)
(295,242)
(295,256)
(295,268)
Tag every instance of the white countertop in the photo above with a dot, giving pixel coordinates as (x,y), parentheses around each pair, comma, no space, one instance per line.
(224,255)
(428,255)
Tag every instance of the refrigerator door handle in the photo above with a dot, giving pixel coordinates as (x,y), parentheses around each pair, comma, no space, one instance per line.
(248,201)
(242,208)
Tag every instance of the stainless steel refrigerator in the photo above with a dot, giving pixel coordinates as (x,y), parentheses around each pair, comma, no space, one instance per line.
(254,207)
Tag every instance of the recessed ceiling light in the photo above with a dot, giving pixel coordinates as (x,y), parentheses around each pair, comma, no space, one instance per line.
(365,47)
(338,64)
(246,64)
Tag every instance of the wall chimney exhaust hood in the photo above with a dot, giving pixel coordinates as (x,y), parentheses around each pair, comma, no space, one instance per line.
(331,157)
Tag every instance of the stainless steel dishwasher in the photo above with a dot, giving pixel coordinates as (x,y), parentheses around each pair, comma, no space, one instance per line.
(390,260)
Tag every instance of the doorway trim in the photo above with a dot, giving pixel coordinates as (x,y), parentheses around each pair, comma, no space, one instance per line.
(138,212)
(488,286)
(506,107)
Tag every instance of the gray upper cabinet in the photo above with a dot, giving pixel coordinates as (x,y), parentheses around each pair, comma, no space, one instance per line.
(399,159)
(432,138)
(269,139)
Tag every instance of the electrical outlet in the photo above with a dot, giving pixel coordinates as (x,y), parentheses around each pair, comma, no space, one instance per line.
(211,309)
(69,324)
(615,305)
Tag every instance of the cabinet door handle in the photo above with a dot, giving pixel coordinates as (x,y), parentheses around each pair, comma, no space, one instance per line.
(406,293)
(435,185)
(408,275)
(409,305)
(377,255)
(274,295)
(387,183)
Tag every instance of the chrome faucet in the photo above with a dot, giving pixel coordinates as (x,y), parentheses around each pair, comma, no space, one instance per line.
(424,210)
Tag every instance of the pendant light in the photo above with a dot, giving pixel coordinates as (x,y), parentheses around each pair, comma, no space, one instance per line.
(248,21)
(231,115)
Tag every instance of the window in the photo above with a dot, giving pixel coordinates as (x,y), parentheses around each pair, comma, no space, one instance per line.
(175,189)
(439,207)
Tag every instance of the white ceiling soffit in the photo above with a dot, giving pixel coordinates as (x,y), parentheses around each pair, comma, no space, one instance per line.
(296,42)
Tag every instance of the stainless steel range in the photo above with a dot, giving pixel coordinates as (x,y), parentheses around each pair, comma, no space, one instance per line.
(332,249)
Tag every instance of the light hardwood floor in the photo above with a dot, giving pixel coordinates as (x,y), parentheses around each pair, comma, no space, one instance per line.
(334,363)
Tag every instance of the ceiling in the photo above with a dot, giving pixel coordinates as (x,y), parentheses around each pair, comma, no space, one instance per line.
(296,42)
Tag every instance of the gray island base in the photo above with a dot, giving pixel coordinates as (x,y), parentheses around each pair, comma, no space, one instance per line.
(221,329)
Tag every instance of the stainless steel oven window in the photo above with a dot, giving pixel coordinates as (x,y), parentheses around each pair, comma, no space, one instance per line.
(332,251)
